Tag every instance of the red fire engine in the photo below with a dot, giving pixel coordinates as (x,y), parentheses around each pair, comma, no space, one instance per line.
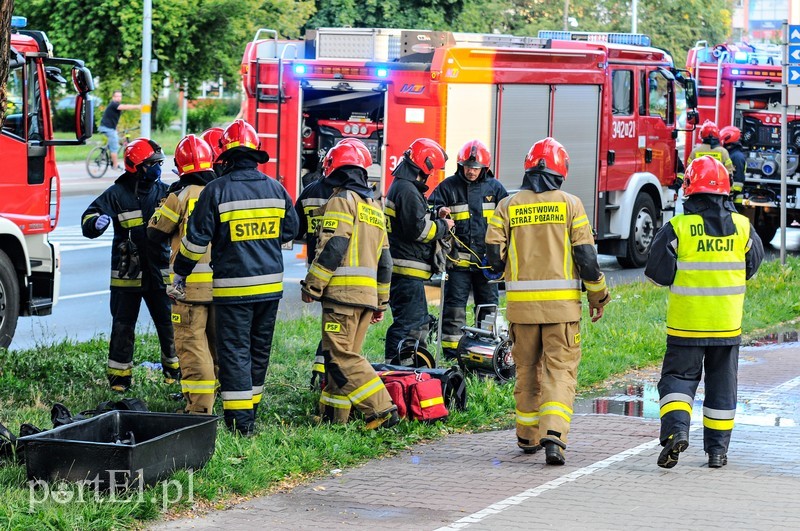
(609,98)
(29,182)
(741,85)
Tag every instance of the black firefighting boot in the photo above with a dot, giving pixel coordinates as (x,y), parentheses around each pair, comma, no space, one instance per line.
(676,443)
(553,453)
(527,447)
(717,460)
(386,419)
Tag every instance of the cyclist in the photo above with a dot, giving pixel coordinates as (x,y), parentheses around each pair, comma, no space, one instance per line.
(108,124)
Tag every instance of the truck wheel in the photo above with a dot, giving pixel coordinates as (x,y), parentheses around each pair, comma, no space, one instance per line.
(9,300)
(643,229)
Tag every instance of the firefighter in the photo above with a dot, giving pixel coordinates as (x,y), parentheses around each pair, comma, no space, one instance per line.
(138,272)
(469,198)
(730,137)
(309,208)
(350,274)
(542,240)
(212,136)
(192,312)
(709,135)
(412,233)
(247,216)
(705,256)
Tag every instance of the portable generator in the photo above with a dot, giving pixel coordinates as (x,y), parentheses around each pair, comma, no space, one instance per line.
(486,349)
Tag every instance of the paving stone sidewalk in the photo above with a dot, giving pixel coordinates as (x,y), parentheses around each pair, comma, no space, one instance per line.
(610,481)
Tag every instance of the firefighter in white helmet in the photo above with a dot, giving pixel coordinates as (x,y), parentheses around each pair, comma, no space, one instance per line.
(542,240)
(705,256)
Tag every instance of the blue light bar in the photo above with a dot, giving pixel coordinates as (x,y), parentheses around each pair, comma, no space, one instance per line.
(19,22)
(382,72)
(632,39)
(300,70)
(740,57)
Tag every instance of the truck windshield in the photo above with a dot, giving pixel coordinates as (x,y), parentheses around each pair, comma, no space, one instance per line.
(13,124)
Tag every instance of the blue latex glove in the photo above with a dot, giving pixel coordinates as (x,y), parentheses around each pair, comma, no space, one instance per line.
(102,222)
(489,273)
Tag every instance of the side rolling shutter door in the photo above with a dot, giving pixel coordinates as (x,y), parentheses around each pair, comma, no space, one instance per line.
(524,119)
(575,125)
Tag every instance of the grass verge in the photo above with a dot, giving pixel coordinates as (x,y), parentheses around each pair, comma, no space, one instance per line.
(289,448)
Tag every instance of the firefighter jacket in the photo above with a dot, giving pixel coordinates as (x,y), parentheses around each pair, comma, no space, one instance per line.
(245,216)
(309,212)
(471,204)
(716,151)
(353,265)
(739,161)
(542,238)
(705,256)
(412,229)
(170,221)
(130,202)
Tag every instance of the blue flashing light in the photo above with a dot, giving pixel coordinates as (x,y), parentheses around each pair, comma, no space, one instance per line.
(382,72)
(735,72)
(19,22)
(300,70)
(740,57)
(632,39)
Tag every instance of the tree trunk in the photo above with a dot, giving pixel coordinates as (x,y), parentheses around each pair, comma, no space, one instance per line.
(6,8)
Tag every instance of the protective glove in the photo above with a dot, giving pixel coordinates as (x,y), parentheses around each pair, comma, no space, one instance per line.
(598,298)
(177,290)
(102,222)
(489,272)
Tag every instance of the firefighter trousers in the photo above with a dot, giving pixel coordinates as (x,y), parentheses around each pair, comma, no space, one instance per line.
(350,379)
(124,313)
(680,376)
(456,295)
(410,317)
(244,343)
(195,345)
(546,357)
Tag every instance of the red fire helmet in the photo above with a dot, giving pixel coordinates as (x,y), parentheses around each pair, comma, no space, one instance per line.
(351,152)
(548,156)
(427,155)
(142,150)
(709,129)
(706,175)
(213,136)
(193,154)
(729,134)
(474,154)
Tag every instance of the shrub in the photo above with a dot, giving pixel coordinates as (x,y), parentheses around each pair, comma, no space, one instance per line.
(167,112)
(204,115)
(64,120)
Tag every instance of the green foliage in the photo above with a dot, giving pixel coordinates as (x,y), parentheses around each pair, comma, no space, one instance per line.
(167,112)
(204,115)
(64,120)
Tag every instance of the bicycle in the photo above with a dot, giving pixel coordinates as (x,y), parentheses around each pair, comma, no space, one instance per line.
(99,158)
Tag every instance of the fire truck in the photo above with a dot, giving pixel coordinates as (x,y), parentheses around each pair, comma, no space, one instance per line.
(740,84)
(29,182)
(611,99)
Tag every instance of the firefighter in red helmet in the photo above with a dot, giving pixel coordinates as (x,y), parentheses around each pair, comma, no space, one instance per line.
(192,311)
(468,197)
(212,136)
(542,240)
(413,231)
(710,146)
(248,216)
(730,137)
(705,256)
(350,275)
(137,273)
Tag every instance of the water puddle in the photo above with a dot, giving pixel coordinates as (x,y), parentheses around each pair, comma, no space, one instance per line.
(640,399)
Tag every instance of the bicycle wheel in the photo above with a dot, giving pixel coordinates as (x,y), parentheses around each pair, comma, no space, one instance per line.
(97,162)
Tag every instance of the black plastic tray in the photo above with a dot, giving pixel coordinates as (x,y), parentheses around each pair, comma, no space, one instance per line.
(89,450)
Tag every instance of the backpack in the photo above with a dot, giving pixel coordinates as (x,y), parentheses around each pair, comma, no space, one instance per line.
(417,395)
(454,386)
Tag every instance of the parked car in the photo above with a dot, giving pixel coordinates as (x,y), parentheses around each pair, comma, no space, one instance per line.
(68,102)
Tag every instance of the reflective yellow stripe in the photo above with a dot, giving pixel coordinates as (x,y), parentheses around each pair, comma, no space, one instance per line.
(554,295)
(411,272)
(199,387)
(558,405)
(488,213)
(596,286)
(249,290)
(449,344)
(270,212)
(390,211)
(366,391)
(130,223)
(319,272)
(527,419)
(257,398)
(722,425)
(431,402)
(431,233)
(580,222)
(198,278)
(354,281)
(496,221)
(169,214)
(339,216)
(232,145)
(459,216)
(189,254)
(119,372)
(556,413)
(675,406)
(237,404)
(318,367)
(126,283)
(707,333)
(337,401)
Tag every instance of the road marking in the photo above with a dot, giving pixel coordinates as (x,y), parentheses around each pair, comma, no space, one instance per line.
(591,469)
(72,239)
(81,295)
